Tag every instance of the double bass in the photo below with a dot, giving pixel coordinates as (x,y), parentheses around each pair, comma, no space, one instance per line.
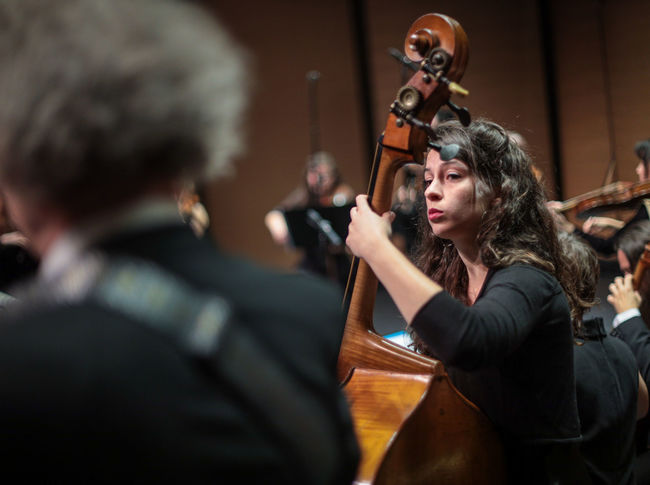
(413,425)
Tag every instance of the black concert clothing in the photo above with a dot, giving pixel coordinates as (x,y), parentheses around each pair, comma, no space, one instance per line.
(16,265)
(91,394)
(322,258)
(497,354)
(636,335)
(607,389)
(634,332)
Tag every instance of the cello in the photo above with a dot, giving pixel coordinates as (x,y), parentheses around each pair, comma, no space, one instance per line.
(413,425)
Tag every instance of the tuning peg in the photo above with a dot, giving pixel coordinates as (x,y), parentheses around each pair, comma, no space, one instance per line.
(453,87)
(463,113)
(457,89)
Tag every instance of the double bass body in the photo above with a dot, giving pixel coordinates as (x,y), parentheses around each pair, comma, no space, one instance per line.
(413,425)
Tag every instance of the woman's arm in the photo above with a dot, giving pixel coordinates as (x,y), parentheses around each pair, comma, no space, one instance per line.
(277,226)
(516,300)
(369,238)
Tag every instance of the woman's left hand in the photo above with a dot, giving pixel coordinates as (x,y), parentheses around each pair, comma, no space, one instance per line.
(622,295)
(367,229)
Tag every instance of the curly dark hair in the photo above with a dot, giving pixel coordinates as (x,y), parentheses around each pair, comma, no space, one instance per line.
(515,228)
(581,263)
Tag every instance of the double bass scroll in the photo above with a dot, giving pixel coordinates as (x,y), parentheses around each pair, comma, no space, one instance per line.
(440,44)
(413,425)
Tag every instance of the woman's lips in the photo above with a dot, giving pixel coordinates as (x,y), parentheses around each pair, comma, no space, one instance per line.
(434,214)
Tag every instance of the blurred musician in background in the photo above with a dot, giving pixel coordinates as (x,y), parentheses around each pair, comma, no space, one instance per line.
(407,205)
(605,246)
(322,186)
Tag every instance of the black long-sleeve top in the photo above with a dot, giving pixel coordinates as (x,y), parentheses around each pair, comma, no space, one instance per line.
(511,353)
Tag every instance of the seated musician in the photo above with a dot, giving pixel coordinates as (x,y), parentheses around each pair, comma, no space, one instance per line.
(611,393)
(630,322)
(322,187)
(143,354)
(488,295)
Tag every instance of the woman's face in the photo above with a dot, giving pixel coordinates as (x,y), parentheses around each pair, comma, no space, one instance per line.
(453,210)
(320,179)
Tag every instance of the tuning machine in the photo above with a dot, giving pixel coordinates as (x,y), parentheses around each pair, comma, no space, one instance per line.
(406,104)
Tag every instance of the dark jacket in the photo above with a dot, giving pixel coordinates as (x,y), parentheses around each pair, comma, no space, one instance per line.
(607,388)
(90,395)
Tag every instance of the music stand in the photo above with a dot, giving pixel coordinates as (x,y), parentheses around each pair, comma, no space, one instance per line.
(305,232)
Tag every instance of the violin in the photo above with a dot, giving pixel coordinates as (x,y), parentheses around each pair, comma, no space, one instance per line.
(593,195)
(625,195)
(413,425)
(619,202)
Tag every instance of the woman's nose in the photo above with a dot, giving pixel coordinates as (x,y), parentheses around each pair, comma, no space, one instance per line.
(433,191)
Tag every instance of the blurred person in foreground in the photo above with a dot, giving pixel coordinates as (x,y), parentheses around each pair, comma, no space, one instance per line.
(143,353)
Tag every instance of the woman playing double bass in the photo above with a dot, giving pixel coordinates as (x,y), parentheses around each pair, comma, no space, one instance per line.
(487,296)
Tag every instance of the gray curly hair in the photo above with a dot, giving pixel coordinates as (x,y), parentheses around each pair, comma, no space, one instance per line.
(101,97)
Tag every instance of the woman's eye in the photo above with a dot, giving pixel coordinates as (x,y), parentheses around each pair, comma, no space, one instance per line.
(426,183)
(453,176)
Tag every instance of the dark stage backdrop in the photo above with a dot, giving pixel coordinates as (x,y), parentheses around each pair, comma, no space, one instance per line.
(572,77)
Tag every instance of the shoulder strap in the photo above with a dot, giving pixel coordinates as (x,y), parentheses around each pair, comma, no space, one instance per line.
(203,326)
(152,296)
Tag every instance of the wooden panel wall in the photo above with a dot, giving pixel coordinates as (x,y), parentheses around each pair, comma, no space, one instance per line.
(505,76)
(589,60)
